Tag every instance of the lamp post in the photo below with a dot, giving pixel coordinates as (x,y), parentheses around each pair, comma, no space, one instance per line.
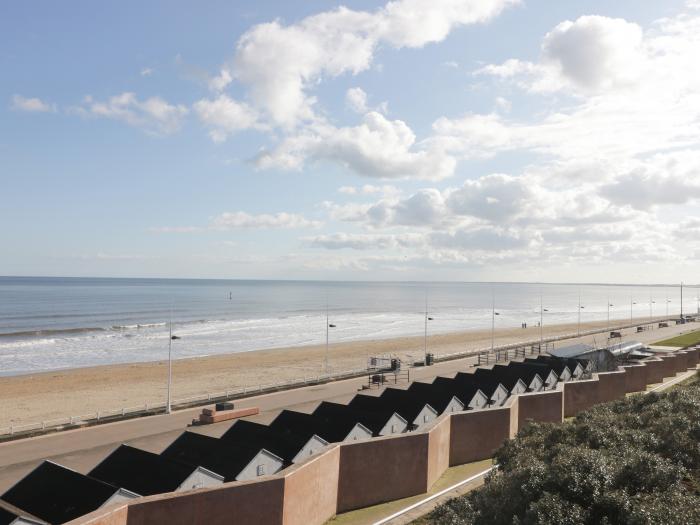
(171,338)
(494,313)
(542,310)
(651,310)
(579,315)
(667,301)
(425,333)
(632,303)
(328,327)
(609,306)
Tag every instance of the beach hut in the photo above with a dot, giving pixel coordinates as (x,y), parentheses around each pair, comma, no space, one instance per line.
(145,473)
(415,411)
(529,376)
(577,367)
(382,422)
(544,370)
(441,400)
(292,447)
(235,461)
(495,392)
(55,494)
(513,382)
(332,431)
(470,397)
(559,366)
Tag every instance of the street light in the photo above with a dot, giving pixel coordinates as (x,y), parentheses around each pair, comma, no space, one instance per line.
(328,326)
(171,338)
(494,313)
(541,320)
(609,306)
(579,315)
(632,303)
(425,333)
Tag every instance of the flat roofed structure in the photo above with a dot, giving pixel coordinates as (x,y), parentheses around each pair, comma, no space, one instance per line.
(572,351)
(146,473)
(335,431)
(291,447)
(492,388)
(57,494)
(382,422)
(470,397)
(235,461)
(416,411)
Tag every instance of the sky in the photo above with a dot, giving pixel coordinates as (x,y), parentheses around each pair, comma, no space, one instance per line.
(470,140)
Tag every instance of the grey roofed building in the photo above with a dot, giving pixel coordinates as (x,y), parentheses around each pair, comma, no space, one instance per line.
(332,431)
(415,411)
(57,494)
(572,351)
(291,447)
(382,422)
(470,396)
(235,461)
(146,473)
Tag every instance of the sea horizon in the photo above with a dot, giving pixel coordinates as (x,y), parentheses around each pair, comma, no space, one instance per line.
(49,323)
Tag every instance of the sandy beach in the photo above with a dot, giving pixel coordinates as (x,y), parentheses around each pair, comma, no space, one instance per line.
(49,395)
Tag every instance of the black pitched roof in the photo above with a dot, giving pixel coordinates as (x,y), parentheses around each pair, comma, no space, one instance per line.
(570,361)
(141,472)
(6,517)
(332,430)
(397,400)
(374,420)
(285,446)
(542,369)
(488,384)
(507,379)
(464,391)
(513,373)
(558,365)
(435,396)
(227,459)
(57,494)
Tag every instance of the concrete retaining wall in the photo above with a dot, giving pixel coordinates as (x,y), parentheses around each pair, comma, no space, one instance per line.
(359,474)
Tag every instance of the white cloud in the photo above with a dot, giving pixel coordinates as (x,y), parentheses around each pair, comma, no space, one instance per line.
(370,189)
(220,81)
(378,148)
(363,241)
(31,105)
(240,219)
(146,72)
(152,114)
(279,63)
(225,116)
(356,99)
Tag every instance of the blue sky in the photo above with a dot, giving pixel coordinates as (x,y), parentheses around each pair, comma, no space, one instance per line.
(457,139)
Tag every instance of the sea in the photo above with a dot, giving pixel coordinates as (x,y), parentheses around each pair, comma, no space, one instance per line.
(50,323)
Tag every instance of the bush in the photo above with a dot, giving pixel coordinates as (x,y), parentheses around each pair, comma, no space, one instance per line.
(634,461)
